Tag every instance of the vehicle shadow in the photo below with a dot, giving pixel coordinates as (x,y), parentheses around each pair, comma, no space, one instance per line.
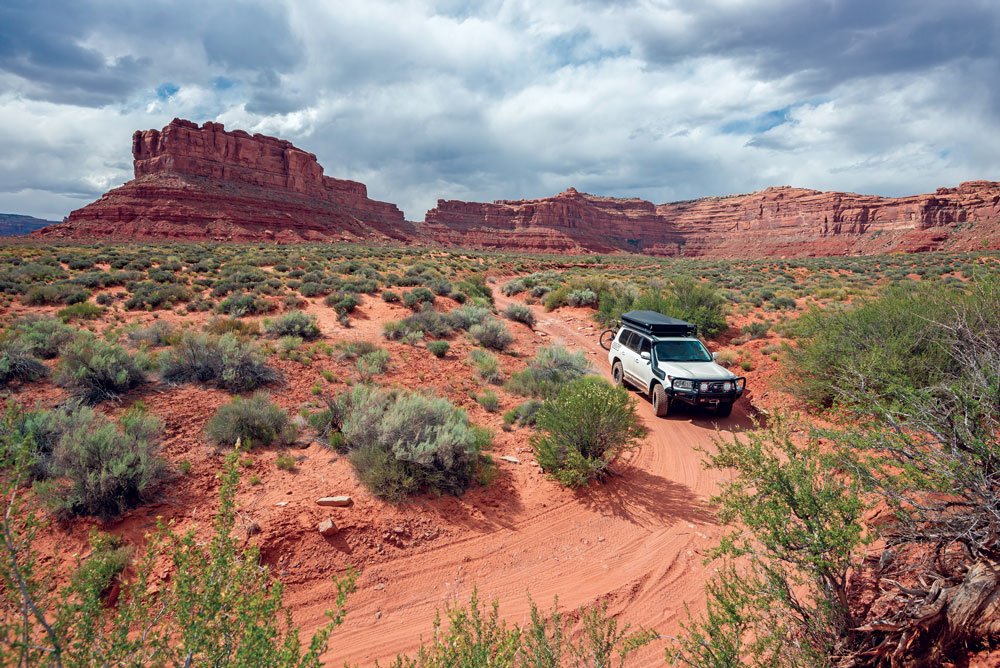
(646,499)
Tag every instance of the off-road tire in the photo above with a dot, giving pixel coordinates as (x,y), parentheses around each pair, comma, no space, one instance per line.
(724,409)
(661,400)
(617,374)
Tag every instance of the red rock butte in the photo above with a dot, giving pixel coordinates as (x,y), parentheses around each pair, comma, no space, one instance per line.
(204,183)
(207,184)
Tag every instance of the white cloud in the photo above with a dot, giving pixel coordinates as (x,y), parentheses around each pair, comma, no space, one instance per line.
(664,99)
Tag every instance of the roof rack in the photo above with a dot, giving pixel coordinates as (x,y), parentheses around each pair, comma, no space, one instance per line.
(657,324)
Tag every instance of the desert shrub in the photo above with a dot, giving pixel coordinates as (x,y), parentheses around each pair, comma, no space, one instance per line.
(372,364)
(489,401)
(583,429)
(42,336)
(226,361)
(55,293)
(584,297)
(241,304)
(312,289)
(99,468)
(342,302)
(487,366)
(243,328)
(514,287)
(402,443)
(156,334)
(417,297)
(95,371)
(524,415)
(349,350)
(756,330)
(285,462)
(427,320)
(520,313)
(80,311)
(883,345)
(439,286)
(468,316)
(254,421)
(439,348)
(391,297)
(152,296)
(476,287)
(18,364)
(295,323)
(492,334)
(552,367)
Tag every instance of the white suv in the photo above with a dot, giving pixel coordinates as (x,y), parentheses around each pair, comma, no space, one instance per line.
(662,357)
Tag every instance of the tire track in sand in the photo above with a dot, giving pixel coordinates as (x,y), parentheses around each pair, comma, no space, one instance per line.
(637,542)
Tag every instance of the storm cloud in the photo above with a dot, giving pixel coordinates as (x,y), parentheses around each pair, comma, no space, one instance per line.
(663,99)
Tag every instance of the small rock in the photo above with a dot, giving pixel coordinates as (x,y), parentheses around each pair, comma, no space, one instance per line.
(336,501)
(380,586)
(511,458)
(378,614)
(327,527)
(281,504)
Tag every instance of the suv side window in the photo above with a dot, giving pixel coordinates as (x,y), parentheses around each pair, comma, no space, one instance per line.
(625,338)
(644,346)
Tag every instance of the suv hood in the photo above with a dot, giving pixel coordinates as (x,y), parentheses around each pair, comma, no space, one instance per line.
(695,370)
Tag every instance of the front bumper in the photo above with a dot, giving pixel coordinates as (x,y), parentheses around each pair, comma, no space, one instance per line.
(708,392)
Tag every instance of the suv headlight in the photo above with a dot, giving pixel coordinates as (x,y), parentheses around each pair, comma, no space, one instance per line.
(704,387)
(727,386)
(681,384)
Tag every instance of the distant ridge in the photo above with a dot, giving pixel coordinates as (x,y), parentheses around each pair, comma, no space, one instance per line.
(14,224)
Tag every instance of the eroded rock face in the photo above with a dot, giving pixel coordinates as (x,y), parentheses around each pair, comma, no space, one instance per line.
(779,221)
(204,183)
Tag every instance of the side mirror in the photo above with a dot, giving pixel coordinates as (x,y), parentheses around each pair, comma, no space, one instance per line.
(644,355)
(715,356)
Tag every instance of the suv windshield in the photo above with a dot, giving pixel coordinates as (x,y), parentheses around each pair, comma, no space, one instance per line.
(682,351)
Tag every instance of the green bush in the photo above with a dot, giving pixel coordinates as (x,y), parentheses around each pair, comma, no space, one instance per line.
(417,297)
(427,320)
(520,313)
(882,345)
(583,429)
(102,469)
(42,337)
(552,368)
(95,371)
(487,366)
(239,305)
(372,364)
(390,297)
(18,364)
(295,323)
(80,311)
(402,443)
(492,334)
(686,298)
(468,316)
(253,421)
(524,415)
(152,296)
(489,401)
(157,334)
(226,361)
(439,348)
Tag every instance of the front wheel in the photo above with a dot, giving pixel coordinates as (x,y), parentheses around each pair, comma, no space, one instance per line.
(617,374)
(607,338)
(661,401)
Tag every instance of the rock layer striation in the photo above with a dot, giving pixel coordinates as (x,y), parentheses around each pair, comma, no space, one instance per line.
(780,221)
(204,183)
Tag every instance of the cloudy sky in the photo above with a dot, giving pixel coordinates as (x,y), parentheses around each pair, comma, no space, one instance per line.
(662,99)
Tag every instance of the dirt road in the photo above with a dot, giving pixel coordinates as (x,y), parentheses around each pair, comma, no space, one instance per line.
(637,542)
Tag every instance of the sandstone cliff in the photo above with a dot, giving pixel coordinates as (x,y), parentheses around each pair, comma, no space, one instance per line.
(780,221)
(203,183)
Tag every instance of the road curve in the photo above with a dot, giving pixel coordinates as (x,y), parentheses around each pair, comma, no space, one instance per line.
(637,542)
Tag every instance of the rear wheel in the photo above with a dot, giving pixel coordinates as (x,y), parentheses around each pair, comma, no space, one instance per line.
(661,401)
(617,373)
(607,338)
(724,409)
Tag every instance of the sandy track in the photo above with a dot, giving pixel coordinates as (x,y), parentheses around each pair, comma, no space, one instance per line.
(637,542)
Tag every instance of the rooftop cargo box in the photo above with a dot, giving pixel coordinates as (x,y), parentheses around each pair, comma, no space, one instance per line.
(657,324)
